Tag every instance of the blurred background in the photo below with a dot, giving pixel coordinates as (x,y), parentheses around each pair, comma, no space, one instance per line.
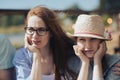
(13,14)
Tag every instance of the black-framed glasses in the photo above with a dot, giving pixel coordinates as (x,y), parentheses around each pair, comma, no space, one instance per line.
(40,31)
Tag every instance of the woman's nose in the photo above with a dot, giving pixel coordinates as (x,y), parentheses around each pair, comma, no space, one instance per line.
(35,34)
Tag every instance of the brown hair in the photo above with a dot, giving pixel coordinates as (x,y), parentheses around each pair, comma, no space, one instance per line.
(60,43)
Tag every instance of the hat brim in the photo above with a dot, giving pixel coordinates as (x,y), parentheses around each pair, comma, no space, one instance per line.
(91,35)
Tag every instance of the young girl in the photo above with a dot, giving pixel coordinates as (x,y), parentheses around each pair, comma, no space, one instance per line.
(90,36)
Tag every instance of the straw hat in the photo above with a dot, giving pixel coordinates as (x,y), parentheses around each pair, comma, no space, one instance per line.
(90,26)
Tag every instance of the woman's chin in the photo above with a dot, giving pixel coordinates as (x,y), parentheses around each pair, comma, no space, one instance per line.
(35,45)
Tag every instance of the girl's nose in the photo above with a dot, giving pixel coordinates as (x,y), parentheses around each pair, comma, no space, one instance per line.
(88,45)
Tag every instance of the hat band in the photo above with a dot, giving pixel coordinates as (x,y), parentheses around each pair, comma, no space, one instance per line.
(89,33)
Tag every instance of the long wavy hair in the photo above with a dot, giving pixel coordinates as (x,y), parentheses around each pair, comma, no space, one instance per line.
(60,43)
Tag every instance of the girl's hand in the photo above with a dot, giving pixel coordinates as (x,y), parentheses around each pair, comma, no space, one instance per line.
(100,52)
(78,51)
(83,74)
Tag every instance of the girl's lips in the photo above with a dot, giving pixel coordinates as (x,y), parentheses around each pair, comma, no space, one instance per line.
(88,52)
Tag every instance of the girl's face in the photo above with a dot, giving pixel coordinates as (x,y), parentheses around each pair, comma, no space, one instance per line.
(90,45)
(37,33)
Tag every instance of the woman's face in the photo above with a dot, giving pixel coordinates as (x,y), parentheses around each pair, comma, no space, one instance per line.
(90,45)
(36,32)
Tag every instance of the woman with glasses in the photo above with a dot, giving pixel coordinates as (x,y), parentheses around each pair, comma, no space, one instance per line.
(47,49)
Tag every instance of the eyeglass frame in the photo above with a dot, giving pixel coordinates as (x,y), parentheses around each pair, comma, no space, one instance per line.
(36,30)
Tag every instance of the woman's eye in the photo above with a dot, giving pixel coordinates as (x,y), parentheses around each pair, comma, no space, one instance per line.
(41,29)
(30,30)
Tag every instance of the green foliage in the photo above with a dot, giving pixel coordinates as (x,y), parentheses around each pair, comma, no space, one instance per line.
(3,20)
(11,20)
(110,4)
(105,17)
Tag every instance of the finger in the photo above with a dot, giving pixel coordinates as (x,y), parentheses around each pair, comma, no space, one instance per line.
(105,46)
(102,48)
(75,49)
(117,73)
(80,51)
(80,48)
(27,45)
(117,65)
(116,69)
(25,40)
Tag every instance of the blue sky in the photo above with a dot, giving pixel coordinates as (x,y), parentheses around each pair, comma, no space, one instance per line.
(53,4)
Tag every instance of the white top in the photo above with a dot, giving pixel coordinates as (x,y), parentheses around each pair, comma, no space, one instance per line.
(49,77)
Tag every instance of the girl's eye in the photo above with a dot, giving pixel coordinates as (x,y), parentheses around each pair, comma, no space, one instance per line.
(93,39)
(81,39)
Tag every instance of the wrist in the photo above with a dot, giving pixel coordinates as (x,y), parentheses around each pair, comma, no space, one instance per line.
(36,55)
(85,63)
(97,59)
(97,62)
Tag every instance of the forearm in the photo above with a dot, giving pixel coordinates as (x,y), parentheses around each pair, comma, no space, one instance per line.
(83,74)
(36,73)
(97,71)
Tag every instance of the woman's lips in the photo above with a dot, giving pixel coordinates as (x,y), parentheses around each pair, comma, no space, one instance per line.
(35,42)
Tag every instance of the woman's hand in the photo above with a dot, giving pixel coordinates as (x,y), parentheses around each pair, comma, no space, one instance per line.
(100,52)
(36,71)
(78,51)
(30,47)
